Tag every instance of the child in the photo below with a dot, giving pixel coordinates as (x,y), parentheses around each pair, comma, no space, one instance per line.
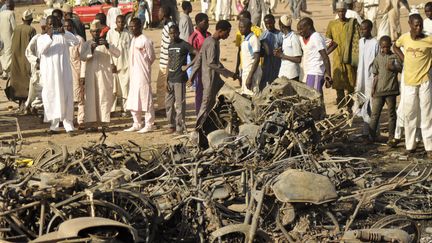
(291,52)
(165,16)
(271,40)
(385,88)
(178,51)
(196,39)
(250,56)
(368,49)
(427,22)
(185,22)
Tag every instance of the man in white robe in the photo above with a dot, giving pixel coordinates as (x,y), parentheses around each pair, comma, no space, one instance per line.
(141,57)
(78,72)
(368,49)
(112,14)
(121,39)
(56,75)
(99,79)
(7,26)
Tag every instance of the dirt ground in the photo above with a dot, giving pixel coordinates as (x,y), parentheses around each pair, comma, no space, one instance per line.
(34,131)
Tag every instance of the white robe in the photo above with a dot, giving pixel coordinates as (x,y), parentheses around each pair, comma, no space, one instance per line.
(111,16)
(122,41)
(141,57)
(368,51)
(56,75)
(34,98)
(99,81)
(7,26)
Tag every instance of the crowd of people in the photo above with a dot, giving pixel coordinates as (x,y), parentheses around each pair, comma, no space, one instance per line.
(59,67)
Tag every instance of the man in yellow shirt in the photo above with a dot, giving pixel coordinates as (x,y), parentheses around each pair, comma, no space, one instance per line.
(240,38)
(417,107)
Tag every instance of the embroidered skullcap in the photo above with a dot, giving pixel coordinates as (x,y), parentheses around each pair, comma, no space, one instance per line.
(341,5)
(27,15)
(95,25)
(67,8)
(286,20)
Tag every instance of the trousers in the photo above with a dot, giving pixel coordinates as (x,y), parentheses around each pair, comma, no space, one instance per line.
(175,102)
(377,105)
(417,110)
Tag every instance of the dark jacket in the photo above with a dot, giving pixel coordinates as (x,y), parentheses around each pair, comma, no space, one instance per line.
(385,82)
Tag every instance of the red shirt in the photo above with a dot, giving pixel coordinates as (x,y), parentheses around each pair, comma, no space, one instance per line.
(196,39)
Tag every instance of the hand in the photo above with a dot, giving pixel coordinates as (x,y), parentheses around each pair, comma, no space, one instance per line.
(184,68)
(93,46)
(277,53)
(82,81)
(104,42)
(189,83)
(249,82)
(168,87)
(328,81)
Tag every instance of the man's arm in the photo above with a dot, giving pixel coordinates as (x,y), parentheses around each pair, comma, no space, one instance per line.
(399,52)
(333,45)
(327,65)
(253,69)
(215,64)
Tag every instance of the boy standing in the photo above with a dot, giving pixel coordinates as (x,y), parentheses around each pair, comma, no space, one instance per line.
(141,57)
(196,39)
(368,49)
(385,88)
(178,51)
(121,39)
(185,22)
(291,52)
(250,55)
(271,40)
(165,15)
(316,61)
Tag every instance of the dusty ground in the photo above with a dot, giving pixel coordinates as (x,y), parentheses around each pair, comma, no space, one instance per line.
(34,131)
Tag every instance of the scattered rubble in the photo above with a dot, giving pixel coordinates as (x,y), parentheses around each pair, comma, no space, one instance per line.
(266,177)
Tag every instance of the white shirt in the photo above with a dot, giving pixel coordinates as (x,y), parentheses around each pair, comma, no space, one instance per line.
(427,26)
(313,63)
(351,14)
(291,47)
(111,16)
(249,47)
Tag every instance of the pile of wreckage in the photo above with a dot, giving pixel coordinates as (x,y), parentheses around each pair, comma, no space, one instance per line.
(264,178)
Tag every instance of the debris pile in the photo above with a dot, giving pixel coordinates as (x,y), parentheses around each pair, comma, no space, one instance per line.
(265,177)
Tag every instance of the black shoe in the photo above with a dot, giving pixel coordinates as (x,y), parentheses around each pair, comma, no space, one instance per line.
(72,133)
(392,143)
(161,112)
(52,132)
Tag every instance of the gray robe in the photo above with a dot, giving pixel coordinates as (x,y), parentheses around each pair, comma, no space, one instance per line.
(211,68)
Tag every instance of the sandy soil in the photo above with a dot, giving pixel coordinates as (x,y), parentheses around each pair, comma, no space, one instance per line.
(34,131)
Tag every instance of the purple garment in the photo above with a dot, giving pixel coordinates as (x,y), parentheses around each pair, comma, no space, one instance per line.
(315,81)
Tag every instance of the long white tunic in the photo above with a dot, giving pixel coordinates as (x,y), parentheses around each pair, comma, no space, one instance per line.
(99,81)
(141,57)
(112,14)
(56,75)
(7,26)
(368,51)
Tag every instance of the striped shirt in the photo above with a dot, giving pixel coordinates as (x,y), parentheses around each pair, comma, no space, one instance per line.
(165,41)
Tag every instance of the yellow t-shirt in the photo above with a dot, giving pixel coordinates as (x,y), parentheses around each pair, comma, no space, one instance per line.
(239,37)
(418,58)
